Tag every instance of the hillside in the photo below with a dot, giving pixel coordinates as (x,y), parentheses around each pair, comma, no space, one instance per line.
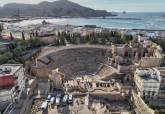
(51,9)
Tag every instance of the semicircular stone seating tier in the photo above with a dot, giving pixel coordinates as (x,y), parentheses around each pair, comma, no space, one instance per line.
(73,61)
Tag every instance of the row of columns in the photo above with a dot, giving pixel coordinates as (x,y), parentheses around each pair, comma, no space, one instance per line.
(105,85)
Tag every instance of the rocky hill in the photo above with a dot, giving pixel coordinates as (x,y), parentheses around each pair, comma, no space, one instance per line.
(51,9)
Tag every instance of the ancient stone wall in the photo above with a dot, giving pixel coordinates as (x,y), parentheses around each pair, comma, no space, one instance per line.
(147,62)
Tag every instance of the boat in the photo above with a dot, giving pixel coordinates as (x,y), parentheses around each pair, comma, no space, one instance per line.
(124,12)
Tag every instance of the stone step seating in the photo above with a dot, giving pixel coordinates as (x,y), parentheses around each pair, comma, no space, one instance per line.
(104,71)
(73,61)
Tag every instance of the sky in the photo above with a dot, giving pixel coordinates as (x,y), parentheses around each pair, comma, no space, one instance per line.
(110,5)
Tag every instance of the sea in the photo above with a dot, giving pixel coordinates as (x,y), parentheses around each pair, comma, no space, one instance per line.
(133,20)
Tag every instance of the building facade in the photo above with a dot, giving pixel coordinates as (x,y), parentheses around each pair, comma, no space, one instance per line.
(162,85)
(140,106)
(12,79)
(147,82)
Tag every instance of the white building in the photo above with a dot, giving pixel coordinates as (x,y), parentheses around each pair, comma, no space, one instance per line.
(142,38)
(147,82)
(12,84)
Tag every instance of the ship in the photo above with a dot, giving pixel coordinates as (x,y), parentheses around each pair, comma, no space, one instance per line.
(124,12)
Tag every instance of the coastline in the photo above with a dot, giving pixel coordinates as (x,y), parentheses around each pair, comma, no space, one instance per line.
(131,21)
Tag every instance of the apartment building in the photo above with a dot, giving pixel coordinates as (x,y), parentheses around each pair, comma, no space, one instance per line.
(147,82)
(12,84)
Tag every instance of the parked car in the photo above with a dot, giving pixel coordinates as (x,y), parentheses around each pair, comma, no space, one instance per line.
(57,100)
(70,99)
(52,100)
(44,105)
(48,98)
(64,100)
(59,95)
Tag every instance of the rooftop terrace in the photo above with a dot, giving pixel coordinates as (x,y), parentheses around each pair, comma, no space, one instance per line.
(149,75)
(9,69)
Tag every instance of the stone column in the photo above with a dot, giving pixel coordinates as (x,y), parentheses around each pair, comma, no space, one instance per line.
(136,56)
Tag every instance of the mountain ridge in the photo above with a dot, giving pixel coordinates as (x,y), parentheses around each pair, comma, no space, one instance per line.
(51,9)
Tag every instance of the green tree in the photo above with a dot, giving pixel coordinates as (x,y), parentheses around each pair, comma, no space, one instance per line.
(68,38)
(24,44)
(12,61)
(87,38)
(160,42)
(74,40)
(103,41)
(11,36)
(9,55)
(18,51)
(35,42)
(94,40)
(37,34)
(1,29)
(57,42)
(59,34)
(13,45)
(3,59)
(127,38)
(23,36)
(62,41)
(117,40)
(82,40)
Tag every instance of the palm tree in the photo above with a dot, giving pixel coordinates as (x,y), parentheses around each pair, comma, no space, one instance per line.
(11,36)
(36,33)
(23,36)
(1,29)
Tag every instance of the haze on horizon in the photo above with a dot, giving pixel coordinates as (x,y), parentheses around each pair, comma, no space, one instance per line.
(109,5)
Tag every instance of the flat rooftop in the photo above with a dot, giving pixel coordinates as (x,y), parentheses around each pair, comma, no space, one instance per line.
(150,74)
(13,69)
